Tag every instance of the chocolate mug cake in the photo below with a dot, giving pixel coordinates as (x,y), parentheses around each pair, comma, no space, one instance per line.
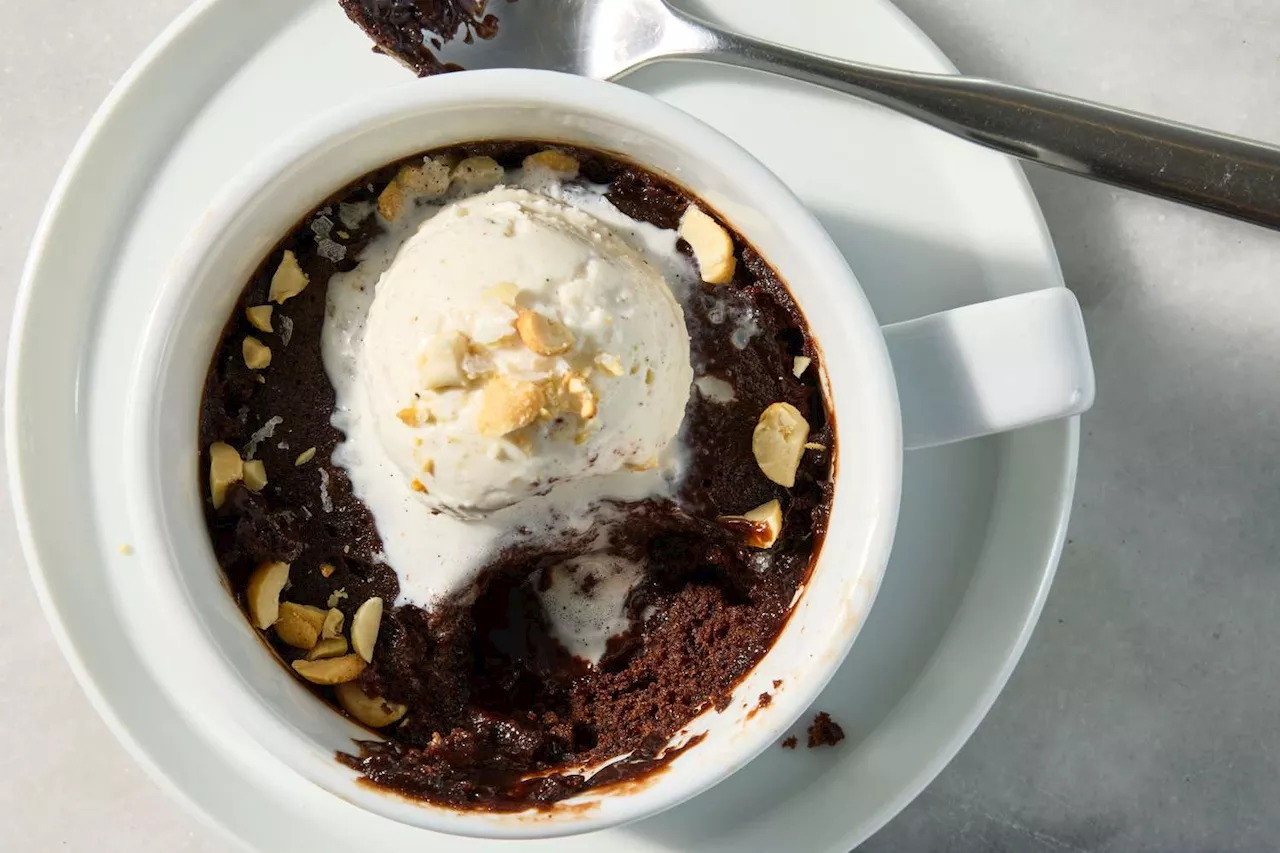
(519,456)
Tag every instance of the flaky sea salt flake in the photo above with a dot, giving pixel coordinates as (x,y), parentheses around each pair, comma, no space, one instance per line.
(331,251)
(326,502)
(321,226)
(266,431)
(286,330)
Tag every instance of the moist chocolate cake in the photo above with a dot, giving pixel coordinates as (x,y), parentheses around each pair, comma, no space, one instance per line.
(407,30)
(824,731)
(485,708)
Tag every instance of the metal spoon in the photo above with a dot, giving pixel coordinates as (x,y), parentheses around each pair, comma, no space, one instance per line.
(608,39)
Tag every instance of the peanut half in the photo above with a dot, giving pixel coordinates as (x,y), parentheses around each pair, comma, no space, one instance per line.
(428,180)
(262,595)
(712,246)
(331,670)
(225,468)
(508,405)
(255,475)
(391,201)
(332,626)
(778,442)
(330,648)
(374,711)
(289,280)
(762,525)
(260,317)
(364,628)
(257,355)
(477,173)
(558,163)
(542,334)
(299,625)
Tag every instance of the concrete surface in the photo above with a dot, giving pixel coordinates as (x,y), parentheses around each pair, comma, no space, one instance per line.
(1143,716)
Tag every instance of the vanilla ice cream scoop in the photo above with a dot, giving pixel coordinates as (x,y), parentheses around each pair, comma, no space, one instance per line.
(517,342)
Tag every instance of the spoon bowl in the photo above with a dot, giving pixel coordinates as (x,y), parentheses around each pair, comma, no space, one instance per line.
(604,40)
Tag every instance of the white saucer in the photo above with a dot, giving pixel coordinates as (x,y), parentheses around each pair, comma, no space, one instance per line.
(928,223)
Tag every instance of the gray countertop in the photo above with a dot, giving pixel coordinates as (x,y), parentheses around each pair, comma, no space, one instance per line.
(1143,716)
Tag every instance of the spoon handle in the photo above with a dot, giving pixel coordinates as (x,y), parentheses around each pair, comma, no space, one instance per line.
(1186,164)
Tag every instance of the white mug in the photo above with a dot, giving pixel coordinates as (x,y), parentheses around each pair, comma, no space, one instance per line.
(963,373)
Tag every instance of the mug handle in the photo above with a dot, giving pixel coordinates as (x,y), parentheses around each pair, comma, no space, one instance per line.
(991,367)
